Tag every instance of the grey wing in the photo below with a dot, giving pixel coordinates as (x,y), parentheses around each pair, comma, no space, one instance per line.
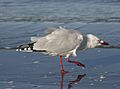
(50,30)
(58,41)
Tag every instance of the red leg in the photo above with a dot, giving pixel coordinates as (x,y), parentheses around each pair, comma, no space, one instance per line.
(61,64)
(75,62)
(62,68)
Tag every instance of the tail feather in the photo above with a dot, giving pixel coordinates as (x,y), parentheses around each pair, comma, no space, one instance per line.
(23,48)
(26,47)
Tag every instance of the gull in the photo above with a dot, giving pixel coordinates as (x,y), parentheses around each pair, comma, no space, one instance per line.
(62,42)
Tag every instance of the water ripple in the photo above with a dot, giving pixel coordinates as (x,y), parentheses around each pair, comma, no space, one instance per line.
(59,19)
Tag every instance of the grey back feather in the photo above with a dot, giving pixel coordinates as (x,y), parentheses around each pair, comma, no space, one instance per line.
(58,41)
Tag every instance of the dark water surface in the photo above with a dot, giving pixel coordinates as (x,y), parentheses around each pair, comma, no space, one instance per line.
(21,19)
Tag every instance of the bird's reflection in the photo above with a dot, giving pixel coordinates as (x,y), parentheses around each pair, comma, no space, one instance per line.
(70,82)
(79,77)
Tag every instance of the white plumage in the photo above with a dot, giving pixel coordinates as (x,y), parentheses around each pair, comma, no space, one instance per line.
(64,42)
(59,42)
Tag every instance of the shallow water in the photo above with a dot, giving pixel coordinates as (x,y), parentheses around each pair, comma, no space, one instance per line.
(19,20)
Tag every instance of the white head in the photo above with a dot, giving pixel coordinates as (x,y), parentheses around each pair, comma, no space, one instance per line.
(94,41)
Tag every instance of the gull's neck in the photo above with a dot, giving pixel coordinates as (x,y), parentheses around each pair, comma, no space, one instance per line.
(84,43)
(90,42)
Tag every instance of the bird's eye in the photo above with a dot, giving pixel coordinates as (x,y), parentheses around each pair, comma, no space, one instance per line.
(101,41)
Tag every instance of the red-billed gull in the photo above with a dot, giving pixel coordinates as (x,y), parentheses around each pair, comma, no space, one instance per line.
(62,42)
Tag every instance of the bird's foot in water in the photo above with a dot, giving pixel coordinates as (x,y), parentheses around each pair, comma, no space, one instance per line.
(75,62)
(79,63)
(64,72)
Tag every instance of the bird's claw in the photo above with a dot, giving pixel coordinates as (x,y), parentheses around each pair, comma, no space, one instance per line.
(79,64)
(75,62)
(64,72)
